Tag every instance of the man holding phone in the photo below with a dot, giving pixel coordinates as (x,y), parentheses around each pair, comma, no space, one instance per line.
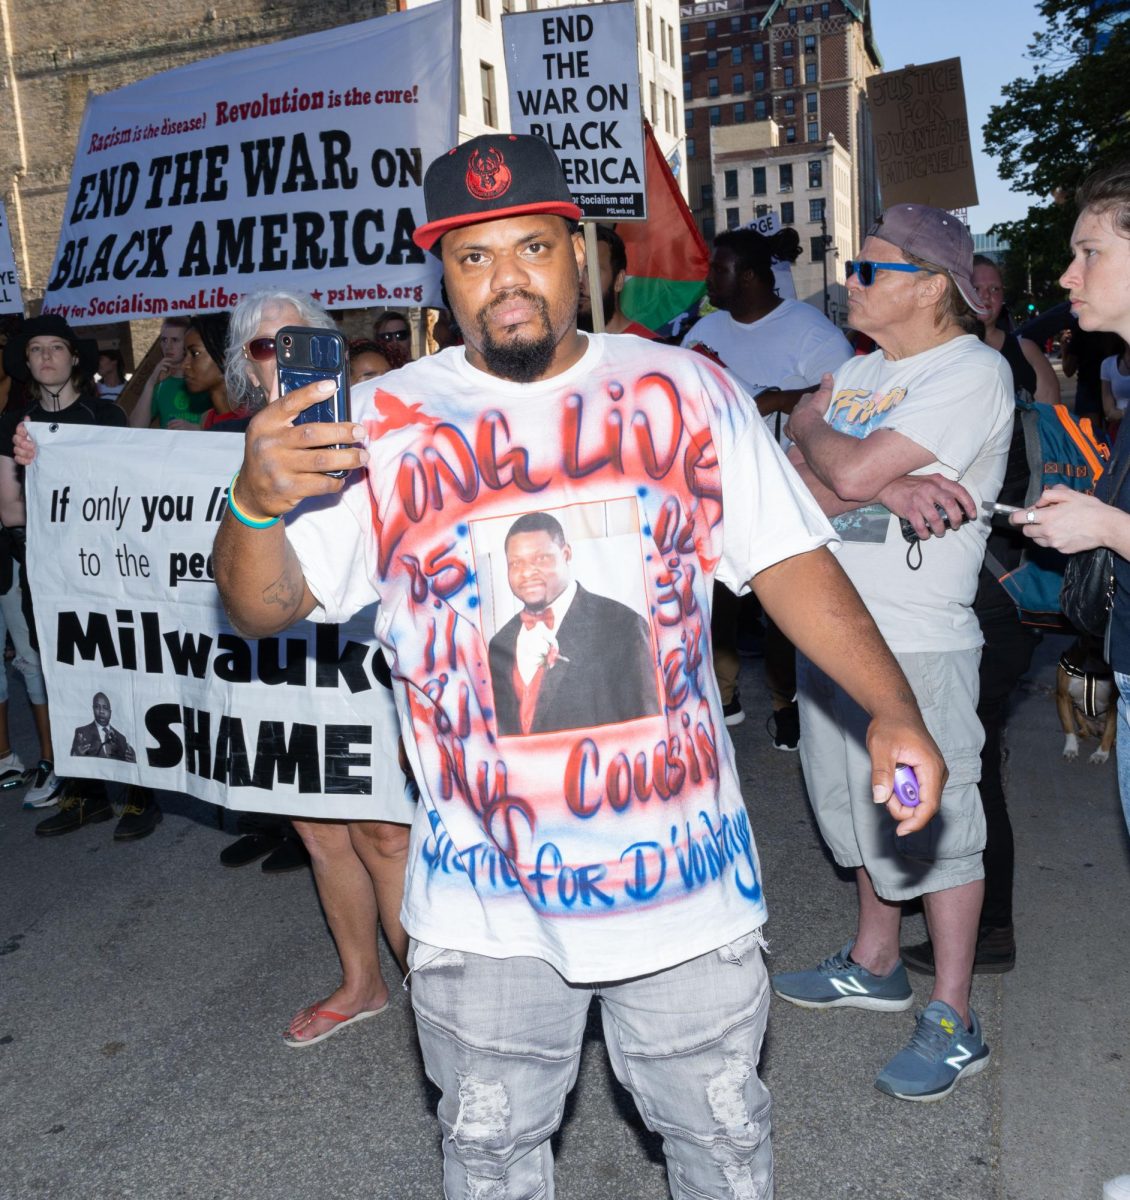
(547,869)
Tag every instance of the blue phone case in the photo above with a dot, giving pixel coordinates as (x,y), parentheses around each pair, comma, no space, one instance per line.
(318,354)
(325,360)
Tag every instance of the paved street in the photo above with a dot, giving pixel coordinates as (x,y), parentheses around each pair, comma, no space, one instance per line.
(143,989)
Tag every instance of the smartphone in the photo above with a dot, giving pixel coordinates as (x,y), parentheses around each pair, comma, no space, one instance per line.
(306,356)
(1000,509)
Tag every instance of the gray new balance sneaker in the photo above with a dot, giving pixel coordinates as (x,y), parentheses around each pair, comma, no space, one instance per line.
(840,983)
(940,1052)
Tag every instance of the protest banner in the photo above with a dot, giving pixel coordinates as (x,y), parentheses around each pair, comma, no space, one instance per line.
(573,79)
(120,530)
(11,301)
(921,134)
(298,164)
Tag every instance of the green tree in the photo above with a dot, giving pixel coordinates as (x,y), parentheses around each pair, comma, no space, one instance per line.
(1052,129)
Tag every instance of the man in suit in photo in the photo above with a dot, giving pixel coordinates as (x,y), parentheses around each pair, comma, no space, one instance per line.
(568,659)
(100,739)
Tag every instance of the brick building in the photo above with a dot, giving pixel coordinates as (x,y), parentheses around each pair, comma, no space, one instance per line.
(802,67)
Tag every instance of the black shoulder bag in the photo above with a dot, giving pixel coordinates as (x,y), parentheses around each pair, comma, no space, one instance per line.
(1087,595)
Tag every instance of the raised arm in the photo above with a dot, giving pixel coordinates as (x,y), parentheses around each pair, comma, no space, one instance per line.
(258,574)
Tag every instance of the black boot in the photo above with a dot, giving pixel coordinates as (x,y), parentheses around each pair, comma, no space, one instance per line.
(140,816)
(81,802)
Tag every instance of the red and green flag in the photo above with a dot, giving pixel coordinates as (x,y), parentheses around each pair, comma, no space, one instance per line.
(667,258)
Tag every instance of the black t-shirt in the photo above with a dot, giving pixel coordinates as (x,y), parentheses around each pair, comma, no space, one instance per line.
(86,410)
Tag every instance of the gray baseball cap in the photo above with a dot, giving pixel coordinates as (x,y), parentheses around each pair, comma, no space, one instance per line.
(935,236)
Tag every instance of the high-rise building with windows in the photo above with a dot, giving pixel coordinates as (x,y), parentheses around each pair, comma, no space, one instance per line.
(802,67)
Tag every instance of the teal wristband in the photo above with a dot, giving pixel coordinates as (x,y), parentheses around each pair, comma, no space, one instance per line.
(241,516)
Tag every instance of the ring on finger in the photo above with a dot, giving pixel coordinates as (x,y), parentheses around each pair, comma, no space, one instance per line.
(1030,517)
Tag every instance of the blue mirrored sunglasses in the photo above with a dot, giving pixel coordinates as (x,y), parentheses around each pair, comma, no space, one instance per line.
(866,270)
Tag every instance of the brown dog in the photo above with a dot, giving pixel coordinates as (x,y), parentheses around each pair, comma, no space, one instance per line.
(1086,700)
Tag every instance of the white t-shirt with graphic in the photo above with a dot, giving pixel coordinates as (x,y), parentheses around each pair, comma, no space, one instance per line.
(612,843)
(955,401)
(791,347)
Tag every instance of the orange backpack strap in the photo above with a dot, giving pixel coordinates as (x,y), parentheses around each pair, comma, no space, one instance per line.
(1087,445)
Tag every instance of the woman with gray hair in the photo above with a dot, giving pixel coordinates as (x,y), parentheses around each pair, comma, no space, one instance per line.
(358,865)
(249,368)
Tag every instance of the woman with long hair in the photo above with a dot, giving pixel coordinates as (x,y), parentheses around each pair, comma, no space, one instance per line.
(205,348)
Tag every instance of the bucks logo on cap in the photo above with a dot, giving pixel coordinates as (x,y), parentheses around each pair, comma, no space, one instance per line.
(488,176)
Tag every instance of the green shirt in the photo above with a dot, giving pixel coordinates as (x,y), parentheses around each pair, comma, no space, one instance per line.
(172,401)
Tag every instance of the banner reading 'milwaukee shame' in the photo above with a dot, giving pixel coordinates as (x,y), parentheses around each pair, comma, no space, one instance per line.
(120,530)
(298,163)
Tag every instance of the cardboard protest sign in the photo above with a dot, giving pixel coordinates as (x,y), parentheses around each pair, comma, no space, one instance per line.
(120,530)
(574,80)
(298,164)
(11,301)
(921,134)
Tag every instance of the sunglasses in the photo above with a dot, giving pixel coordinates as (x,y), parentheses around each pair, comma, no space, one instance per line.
(260,349)
(389,335)
(867,270)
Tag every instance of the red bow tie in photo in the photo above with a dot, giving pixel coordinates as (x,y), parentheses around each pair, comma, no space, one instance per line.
(545,617)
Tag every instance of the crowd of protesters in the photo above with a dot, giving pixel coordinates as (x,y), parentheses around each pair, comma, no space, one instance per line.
(868,668)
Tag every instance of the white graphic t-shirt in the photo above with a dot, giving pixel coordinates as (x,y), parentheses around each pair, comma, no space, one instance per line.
(955,401)
(580,802)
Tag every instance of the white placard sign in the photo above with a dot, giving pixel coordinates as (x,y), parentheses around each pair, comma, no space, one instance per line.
(574,80)
(11,300)
(298,164)
(120,530)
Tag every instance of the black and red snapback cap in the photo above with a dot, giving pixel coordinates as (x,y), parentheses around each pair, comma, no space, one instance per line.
(493,176)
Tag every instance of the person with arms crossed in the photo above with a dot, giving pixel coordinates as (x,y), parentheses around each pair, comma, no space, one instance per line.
(521,842)
(932,399)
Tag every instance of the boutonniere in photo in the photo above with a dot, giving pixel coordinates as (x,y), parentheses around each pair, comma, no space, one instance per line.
(552,657)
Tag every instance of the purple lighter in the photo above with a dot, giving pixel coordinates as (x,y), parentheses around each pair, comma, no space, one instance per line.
(906,785)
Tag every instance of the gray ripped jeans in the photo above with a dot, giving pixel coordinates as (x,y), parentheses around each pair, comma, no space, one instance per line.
(501,1039)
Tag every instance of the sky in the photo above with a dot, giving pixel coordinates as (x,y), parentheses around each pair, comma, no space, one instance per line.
(990,37)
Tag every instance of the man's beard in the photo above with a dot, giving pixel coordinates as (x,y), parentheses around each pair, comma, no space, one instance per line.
(584,319)
(524,360)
